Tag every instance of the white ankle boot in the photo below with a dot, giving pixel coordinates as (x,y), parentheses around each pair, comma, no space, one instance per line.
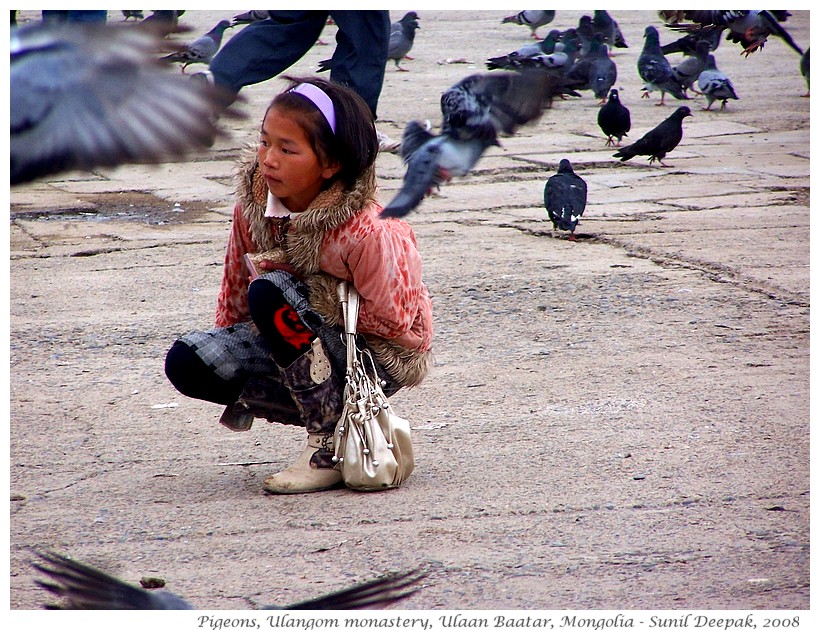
(304,476)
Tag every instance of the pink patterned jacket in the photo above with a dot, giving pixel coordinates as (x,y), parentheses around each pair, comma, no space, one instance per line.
(339,237)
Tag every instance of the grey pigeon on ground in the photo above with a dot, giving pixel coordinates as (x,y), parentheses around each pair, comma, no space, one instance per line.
(594,71)
(620,42)
(804,70)
(585,32)
(202,49)
(475,111)
(83,587)
(565,198)
(715,85)
(513,60)
(87,96)
(660,140)
(688,43)
(533,19)
(687,71)
(249,17)
(164,19)
(655,70)
(402,36)
(603,23)
(749,28)
(614,119)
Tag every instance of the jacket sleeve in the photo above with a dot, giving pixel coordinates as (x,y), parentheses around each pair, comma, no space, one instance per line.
(387,271)
(232,303)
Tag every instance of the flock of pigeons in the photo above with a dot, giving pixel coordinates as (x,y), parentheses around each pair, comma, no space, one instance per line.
(481,107)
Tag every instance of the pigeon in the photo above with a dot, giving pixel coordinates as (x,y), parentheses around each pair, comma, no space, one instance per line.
(655,70)
(249,17)
(533,19)
(512,61)
(614,119)
(565,197)
(687,71)
(402,35)
(585,32)
(688,43)
(474,112)
(620,42)
(84,587)
(749,28)
(659,141)
(202,49)
(168,19)
(715,85)
(137,15)
(595,71)
(603,23)
(87,96)
(557,60)
(804,70)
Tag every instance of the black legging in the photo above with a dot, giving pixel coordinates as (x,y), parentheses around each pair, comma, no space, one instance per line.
(193,378)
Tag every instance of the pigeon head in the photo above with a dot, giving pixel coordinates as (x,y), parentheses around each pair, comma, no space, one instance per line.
(613,95)
(564,166)
(682,112)
(650,34)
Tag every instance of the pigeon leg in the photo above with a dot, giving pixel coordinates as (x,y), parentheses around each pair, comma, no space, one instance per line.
(645,93)
(572,236)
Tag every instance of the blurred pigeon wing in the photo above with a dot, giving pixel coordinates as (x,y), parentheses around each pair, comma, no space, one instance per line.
(415,135)
(421,176)
(85,98)
(503,101)
(376,593)
(86,588)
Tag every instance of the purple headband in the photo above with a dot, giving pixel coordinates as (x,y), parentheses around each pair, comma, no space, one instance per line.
(321,100)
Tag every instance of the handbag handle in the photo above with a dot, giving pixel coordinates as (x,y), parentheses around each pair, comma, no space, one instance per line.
(349,298)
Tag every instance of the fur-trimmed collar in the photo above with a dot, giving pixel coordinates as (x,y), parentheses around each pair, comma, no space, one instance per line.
(330,209)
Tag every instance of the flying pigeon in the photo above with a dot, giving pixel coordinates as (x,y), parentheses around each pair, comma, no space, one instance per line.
(402,35)
(614,119)
(749,28)
(565,197)
(594,71)
(86,588)
(87,96)
(687,71)
(659,141)
(533,19)
(474,112)
(804,70)
(202,49)
(715,85)
(655,70)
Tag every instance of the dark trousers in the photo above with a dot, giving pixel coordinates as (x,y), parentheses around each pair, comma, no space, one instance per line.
(264,49)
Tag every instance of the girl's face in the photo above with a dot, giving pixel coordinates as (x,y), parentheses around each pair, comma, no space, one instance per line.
(290,166)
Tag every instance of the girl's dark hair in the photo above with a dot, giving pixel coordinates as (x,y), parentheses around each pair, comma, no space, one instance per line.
(353,146)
